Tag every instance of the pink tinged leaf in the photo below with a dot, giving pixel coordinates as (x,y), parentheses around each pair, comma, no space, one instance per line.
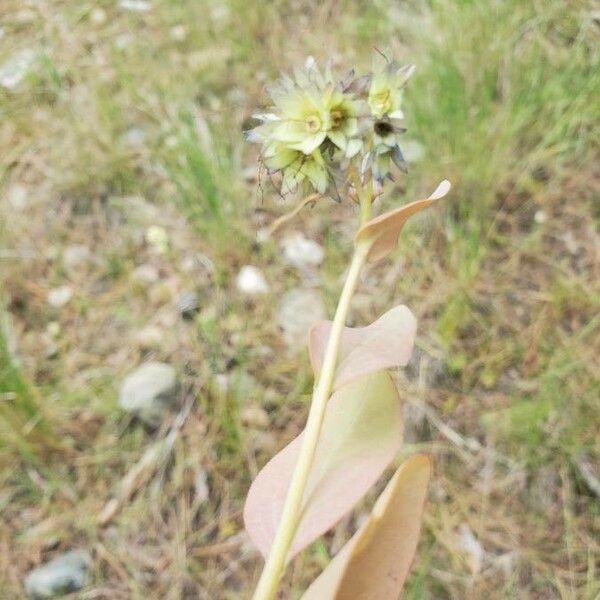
(374,563)
(386,343)
(361,435)
(383,231)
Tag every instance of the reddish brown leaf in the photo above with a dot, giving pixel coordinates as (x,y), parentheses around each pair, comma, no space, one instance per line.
(374,564)
(387,342)
(384,230)
(361,434)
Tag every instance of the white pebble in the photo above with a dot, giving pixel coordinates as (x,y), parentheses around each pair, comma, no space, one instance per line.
(60,296)
(251,281)
(135,5)
(298,311)
(14,70)
(17,196)
(301,252)
(98,16)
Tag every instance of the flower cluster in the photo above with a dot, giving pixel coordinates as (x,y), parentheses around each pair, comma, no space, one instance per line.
(320,130)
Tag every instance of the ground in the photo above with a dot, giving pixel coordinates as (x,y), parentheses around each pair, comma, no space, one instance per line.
(128,119)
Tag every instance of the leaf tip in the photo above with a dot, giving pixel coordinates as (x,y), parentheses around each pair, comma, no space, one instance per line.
(441,190)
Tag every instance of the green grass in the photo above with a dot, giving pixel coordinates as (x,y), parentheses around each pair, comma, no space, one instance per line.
(23,427)
(195,169)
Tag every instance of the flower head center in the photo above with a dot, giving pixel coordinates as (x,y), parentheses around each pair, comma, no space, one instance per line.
(337,118)
(313,124)
(382,101)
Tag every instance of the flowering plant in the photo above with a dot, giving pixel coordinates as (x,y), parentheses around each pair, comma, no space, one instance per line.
(320,132)
(319,128)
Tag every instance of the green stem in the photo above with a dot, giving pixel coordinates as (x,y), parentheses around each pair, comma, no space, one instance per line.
(290,518)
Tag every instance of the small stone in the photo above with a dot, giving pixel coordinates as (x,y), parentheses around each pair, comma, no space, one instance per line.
(17,196)
(98,16)
(15,69)
(301,252)
(60,296)
(149,392)
(540,216)
(63,574)
(135,5)
(299,310)
(188,304)
(145,274)
(251,281)
(76,255)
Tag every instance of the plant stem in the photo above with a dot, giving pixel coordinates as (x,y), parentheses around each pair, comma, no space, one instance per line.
(290,518)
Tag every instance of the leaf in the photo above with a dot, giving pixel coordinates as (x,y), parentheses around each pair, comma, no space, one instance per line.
(375,562)
(384,230)
(361,435)
(388,342)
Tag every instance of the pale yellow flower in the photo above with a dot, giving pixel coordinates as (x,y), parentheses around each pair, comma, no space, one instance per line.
(343,113)
(319,128)
(385,92)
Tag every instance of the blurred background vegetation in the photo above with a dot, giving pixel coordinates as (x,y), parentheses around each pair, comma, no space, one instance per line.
(117,117)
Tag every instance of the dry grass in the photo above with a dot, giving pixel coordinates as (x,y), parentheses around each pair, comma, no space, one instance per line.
(128,120)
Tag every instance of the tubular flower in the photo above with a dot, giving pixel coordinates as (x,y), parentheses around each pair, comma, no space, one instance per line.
(304,121)
(384,149)
(301,116)
(385,93)
(343,114)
